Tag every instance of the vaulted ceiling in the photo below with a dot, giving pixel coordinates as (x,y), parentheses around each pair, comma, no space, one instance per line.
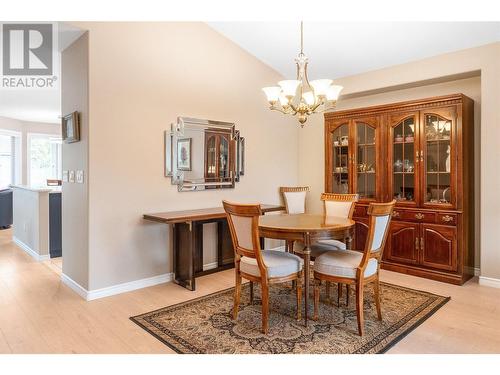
(347,48)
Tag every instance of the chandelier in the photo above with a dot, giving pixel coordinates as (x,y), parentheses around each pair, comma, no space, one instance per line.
(299,97)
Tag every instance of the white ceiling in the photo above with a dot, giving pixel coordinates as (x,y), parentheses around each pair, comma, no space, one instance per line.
(343,49)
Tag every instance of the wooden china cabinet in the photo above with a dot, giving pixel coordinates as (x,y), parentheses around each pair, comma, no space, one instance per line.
(420,153)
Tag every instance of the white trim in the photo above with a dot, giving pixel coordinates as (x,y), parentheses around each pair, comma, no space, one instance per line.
(90,295)
(210,266)
(77,288)
(30,251)
(489,281)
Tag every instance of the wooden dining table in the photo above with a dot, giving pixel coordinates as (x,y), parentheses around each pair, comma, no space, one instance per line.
(308,229)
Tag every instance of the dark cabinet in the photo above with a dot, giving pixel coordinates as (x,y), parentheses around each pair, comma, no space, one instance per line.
(402,242)
(419,153)
(438,247)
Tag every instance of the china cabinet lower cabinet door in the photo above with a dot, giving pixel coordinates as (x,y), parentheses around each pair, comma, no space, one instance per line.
(439,247)
(402,243)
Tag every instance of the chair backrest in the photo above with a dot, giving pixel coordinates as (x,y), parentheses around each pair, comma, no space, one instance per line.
(243,220)
(380,217)
(295,198)
(341,205)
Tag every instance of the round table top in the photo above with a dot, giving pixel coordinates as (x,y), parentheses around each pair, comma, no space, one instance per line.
(304,222)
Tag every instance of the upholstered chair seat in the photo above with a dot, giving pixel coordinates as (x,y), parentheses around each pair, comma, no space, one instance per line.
(278,263)
(335,244)
(343,263)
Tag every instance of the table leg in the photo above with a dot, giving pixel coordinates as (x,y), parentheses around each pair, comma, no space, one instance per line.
(349,242)
(307,273)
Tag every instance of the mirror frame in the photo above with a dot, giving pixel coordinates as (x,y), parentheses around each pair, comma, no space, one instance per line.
(177,131)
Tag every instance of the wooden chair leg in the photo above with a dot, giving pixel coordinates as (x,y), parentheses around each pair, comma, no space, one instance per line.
(348,290)
(237,294)
(339,293)
(376,293)
(299,295)
(251,292)
(328,284)
(265,307)
(359,306)
(317,285)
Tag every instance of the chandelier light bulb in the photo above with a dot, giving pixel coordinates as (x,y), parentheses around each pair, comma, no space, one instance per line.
(333,92)
(320,86)
(309,98)
(272,93)
(289,87)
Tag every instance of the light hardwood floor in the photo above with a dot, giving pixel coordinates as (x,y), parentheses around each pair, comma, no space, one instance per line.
(38,314)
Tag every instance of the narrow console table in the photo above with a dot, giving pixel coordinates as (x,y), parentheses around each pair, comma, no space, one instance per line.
(187,228)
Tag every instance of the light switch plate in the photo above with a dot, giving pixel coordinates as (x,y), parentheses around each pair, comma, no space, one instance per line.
(79,177)
(72,177)
(65,176)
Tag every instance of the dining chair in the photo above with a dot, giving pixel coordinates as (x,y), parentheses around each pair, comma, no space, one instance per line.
(354,267)
(295,203)
(266,267)
(341,205)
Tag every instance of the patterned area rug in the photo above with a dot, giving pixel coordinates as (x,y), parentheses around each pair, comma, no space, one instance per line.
(204,325)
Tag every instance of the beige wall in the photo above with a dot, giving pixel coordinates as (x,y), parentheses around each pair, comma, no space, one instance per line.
(142,76)
(389,82)
(75,204)
(25,127)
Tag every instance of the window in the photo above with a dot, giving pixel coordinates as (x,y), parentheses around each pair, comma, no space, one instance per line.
(10,158)
(44,159)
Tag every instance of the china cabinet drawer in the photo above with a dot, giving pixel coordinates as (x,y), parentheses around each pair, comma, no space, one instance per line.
(419,216)
(397,214)
(447,219)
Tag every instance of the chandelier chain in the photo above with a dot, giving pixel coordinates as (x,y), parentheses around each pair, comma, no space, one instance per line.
(302,37)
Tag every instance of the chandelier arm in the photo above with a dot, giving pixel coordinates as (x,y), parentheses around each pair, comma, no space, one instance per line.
(295,109)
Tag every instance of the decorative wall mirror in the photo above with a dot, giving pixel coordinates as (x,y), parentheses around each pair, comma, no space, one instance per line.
(203,154)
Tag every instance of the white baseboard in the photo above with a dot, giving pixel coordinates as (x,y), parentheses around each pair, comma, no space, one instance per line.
(77,288)
(90,295)
(210,266)
(30,251)
(489,281)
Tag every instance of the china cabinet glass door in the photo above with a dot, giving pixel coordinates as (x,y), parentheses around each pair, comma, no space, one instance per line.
(340,159)
(366,163)
(437,152)
(403,166)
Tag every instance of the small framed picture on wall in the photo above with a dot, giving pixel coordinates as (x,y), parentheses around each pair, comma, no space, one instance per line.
(184,154)
(71,127)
